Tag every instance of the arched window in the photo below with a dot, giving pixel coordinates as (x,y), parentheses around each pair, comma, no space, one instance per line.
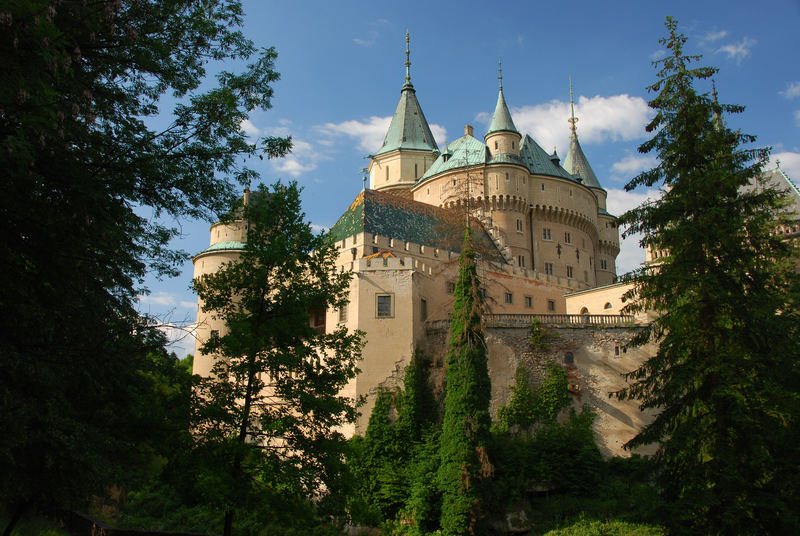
(584,311)
(607,306)
(569,359)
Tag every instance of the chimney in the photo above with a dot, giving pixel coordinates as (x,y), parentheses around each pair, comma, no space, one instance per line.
(468,130)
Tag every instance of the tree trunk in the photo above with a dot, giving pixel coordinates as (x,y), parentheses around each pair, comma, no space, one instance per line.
(22,506)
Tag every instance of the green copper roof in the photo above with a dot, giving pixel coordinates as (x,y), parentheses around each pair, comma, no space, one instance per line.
(538,161)
(501,120)
(577,164)
(384,214)
(408,129)
(465,151)
(219,246)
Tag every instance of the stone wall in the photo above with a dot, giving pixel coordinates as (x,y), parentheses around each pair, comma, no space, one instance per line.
(599,356)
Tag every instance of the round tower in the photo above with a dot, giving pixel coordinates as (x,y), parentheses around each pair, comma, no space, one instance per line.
(502,136)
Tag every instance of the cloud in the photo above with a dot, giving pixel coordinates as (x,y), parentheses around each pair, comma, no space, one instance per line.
(658,54)
(165,299)
(180,338)
(618,117)
(632,164)
(738,51)
(302,159)
(714,35)
(249,128)
(792,90)
(318,228)
(790,163)
(631,254)
(370,133)
(363,42)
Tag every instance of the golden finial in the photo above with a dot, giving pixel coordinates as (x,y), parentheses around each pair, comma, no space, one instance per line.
(572,120)
(408,60)
(500,72)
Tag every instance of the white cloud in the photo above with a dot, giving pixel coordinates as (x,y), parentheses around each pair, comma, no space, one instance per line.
(159,298)
(658,54)
(302,159)
(790,164)
(633,164)
(363,42)
(715,35)
(618,117)
(180,338)
(792,90)
(738,51)
(318,228)
(369,134)
(249,128)
(631,254)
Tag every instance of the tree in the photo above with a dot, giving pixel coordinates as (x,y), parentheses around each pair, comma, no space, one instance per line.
(271,409)
(725,376)
(465,427)
(87,184)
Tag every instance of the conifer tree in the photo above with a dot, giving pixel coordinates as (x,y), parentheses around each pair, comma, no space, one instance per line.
(465,428)
(725,376)
(272,409)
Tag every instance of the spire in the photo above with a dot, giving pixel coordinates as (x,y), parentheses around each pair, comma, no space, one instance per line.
(716,118)
(409,129)
(501,120)
(572,120)
(576,162)
(408,63)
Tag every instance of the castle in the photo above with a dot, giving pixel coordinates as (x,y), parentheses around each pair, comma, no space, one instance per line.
(547,244)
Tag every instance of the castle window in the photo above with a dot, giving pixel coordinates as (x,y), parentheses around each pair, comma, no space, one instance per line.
(374,249)
(523,179)
(429,190)
(353,251)
(416,173)
(567,238)
(551,305)
(406,245)
(214,334)
(608,306)
(454,181)
(548,268)
(450,287)
(507,179)
(519,225)
(387,173)
(509,298)
(512,145)
(383,304)
(343,314)
(570,192)
(391,242)
(374,239)
(543,187)
(578,254)
(603,264)
(546,234)
(529,302)
(436,252)
(423,309)
(521,261)
(569,272)
(495,145)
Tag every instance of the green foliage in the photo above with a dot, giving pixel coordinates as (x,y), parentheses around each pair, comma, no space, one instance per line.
(725,378)
(271,409)
(465,428)
(539,336)
(87,185)
(527,406)
(607,528)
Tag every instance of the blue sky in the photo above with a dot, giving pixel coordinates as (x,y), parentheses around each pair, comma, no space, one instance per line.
(341,66)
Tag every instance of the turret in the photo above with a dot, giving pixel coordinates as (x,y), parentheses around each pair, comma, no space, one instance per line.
(576,163)
(408,149)
(502,137)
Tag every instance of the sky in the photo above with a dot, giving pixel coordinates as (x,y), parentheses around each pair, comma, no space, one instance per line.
(342,68)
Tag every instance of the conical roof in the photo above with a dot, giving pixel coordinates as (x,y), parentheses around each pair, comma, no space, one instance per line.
(501,120)
(577,164)
(409,129)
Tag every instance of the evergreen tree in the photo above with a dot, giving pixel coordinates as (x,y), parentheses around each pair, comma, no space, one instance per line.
(88,183)
(465,428)
(271,409)
(725,376)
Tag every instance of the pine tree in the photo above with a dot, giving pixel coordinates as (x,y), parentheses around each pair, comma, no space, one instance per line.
(272,408)
(465,429)
(725,376)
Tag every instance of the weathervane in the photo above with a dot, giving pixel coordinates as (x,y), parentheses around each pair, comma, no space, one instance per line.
(500,72)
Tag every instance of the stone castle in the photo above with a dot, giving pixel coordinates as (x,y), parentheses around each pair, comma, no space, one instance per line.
(547,244)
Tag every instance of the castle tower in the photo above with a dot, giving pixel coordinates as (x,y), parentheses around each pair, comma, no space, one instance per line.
(408,149)
(502,137)
(577,164)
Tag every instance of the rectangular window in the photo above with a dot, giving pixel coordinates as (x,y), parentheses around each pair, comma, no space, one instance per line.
(521,261)
(548,268)
(529,302)
(214,334)
(374,249)
(416,174)
(450,287)
(551,305)
(384,306)
(374,239)
(603,264)
(567,238)
(343,314)
(509,297)
(423,309)
(546,234)
(519,225)
(569,272)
